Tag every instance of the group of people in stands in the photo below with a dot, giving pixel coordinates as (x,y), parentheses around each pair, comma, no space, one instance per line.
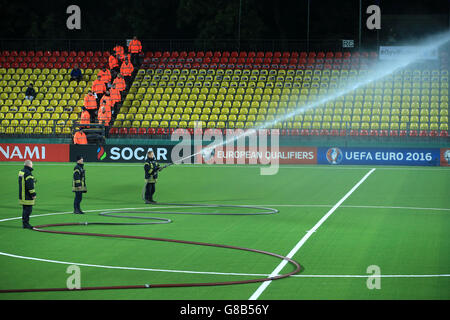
(108,90)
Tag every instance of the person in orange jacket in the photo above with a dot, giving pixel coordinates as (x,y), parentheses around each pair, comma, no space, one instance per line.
(99,88)
(105,74)
(113,65)
(90,103)
(106,101)
(119,82)
(115,98)
(104,117)
(135,48)
(85,116)
(119,51)
(79,137)
(126,69)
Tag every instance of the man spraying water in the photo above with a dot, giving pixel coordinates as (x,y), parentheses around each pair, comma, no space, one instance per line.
(151,169)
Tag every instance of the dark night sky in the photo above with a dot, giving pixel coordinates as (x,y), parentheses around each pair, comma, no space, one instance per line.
(175,19)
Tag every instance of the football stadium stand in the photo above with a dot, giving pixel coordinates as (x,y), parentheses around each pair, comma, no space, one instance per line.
(223,90)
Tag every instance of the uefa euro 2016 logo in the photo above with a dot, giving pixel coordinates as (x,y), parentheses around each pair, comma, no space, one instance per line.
(334,156)
(447,156)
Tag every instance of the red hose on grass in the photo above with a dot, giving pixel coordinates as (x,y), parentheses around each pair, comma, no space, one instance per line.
(41,228)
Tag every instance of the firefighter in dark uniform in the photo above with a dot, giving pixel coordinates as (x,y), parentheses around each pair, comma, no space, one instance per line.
(79,184)
(27,193)
(151,169)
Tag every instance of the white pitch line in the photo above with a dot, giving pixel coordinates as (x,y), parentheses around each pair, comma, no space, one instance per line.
(96,210)
(355,206)
(221,273)
(371,276)
(263,205)
(302,241)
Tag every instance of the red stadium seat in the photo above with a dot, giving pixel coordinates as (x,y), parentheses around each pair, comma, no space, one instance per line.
(393,133)
(363,133)
(444,133)
(334,133)
(198,131)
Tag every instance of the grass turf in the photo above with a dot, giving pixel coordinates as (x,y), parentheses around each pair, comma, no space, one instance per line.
(365,230)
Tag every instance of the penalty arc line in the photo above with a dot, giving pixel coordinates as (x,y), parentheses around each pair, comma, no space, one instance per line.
(302,241)
(212,272)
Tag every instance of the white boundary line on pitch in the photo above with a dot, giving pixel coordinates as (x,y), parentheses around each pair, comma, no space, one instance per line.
(71,212)
(357,207)
(265,205)
(302,241)
(224,273)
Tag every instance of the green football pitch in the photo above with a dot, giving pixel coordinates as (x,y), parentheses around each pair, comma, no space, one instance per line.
(358,233)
